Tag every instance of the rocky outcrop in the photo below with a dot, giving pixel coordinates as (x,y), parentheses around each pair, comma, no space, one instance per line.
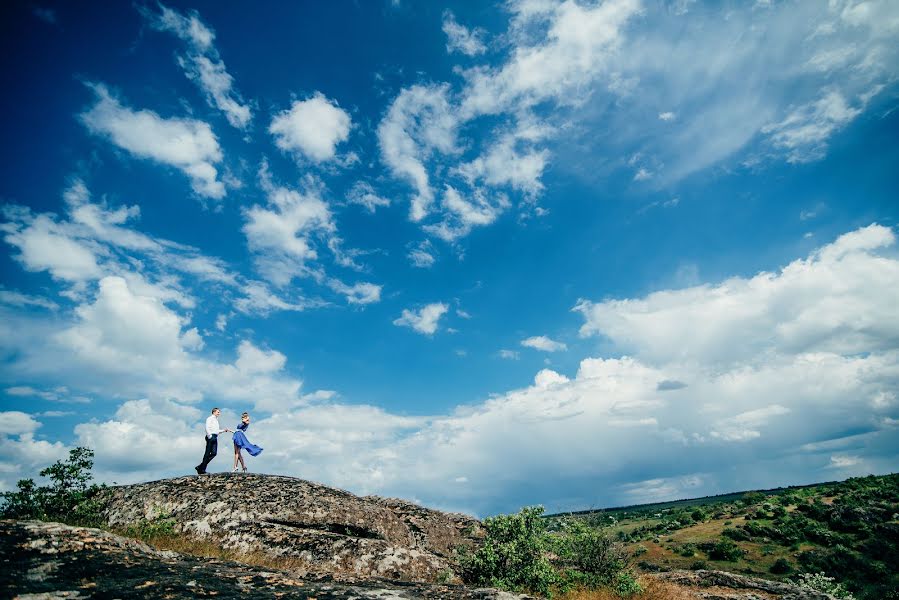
(329,531)
(720,585)
(50,560)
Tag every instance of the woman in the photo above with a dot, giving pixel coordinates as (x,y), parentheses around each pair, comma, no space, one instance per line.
(241,442)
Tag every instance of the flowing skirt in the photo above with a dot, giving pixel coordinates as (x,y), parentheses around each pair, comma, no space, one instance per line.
(241,441)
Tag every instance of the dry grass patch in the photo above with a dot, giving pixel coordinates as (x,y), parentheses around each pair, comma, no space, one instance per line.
(212,548)
(653,589)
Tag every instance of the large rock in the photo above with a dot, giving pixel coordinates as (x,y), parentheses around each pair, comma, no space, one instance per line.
(327,531)
(720,585)
(51,560)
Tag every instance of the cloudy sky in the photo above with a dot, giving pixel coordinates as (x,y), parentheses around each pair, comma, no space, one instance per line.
(479,256)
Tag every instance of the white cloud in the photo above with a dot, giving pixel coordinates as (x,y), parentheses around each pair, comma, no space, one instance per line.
(251,359)
(666,116)
(202,63)
(419,122)
(186,144)
(776,414)
(509,354)
(502,164)
(17,423)
(425,320)
(280,234)
(805,131)
(358,293)
(541,342)
(840,299)
(422,255)
(363,194)
(312,128)
(461,39)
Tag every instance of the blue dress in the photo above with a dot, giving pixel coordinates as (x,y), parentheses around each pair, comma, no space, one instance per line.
(241,441)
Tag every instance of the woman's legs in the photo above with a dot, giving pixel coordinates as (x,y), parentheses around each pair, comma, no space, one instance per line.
(240,457)
(237,457)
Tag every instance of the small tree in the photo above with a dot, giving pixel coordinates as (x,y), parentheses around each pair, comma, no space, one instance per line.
(70,498)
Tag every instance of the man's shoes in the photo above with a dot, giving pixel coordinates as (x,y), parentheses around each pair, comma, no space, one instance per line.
(199,471)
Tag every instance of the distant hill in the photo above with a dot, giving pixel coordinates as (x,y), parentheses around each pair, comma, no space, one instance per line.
(848,530)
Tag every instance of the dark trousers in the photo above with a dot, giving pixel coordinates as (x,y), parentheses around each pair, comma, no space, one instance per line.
(212,448)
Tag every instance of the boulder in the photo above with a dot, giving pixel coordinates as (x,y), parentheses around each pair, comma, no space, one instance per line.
(325,531)
(53,561)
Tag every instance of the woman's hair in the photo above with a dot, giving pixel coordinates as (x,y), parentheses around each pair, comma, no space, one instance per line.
(246,414)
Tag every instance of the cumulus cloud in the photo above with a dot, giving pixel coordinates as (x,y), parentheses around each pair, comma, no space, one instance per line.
(541,342)
(281,233)
(312,128)
(425,320)
(461,39)
(780,413)
(202,63)
(839,299)
(186,144)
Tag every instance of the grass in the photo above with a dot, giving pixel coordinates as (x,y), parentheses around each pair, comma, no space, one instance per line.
(210,547)
(653,589)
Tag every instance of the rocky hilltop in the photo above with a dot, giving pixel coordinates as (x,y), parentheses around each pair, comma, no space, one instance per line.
(53,561)
(329,531)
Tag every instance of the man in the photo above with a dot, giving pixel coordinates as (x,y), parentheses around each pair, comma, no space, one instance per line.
(213,429)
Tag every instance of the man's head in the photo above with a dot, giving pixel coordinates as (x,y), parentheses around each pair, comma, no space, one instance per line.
(216,412)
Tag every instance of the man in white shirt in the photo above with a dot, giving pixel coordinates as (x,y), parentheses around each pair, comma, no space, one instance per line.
(213,429)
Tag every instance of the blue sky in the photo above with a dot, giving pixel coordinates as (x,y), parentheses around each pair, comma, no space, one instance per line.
(475,255)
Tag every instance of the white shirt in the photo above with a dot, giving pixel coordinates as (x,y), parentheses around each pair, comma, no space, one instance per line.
(212,426)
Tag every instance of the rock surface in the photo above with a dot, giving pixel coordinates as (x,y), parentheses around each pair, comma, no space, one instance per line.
(51,560)
(720,585)
(330,531)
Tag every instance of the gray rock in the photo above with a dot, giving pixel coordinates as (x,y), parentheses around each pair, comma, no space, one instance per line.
(720,585)
(327,531)
(53,561)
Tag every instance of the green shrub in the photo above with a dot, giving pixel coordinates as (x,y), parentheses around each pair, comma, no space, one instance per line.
(70,498)
(723,549)
(781,567)
(162,525)
(822,583)
(587,557)
(626,584)
(698,516)
(513,555)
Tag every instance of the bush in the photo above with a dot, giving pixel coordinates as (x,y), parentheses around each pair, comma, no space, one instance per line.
(724,550)
(781,567)
(736,534)
(822,583)
(698,516)
(70,498)
(626,584)
(587,557)
(513,555)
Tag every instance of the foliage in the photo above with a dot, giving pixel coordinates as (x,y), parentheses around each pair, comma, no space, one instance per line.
(70,498)
(513,555)
(520,554)
(723,549)
(587,557)
(161,525)
(781,567)
(822,583)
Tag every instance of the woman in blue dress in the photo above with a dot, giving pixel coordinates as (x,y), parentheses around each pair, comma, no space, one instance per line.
(241,442)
